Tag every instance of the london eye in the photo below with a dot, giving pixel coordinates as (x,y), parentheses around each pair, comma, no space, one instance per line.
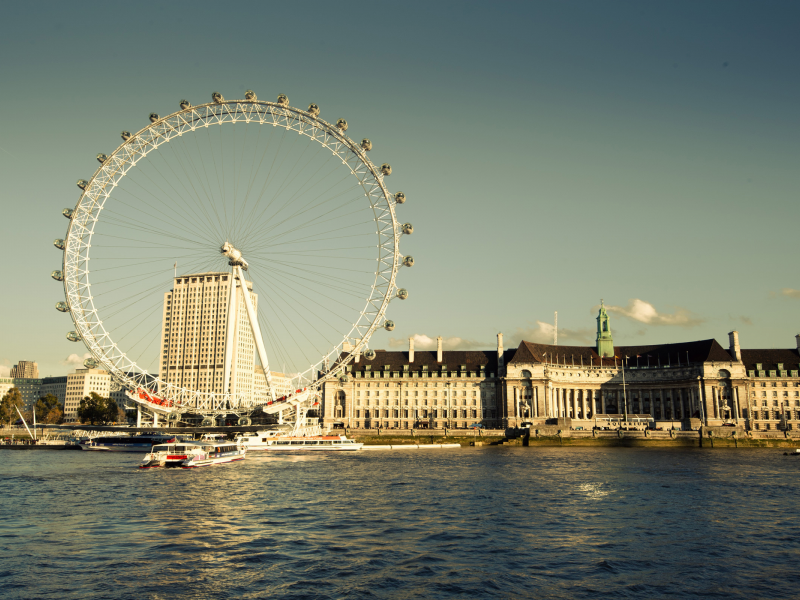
(228,238)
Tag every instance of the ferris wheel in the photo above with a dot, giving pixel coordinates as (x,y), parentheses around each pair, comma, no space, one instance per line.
(231,251)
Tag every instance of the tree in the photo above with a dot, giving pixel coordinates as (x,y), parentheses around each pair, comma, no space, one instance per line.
(11,400)
(96,409)
(48,410)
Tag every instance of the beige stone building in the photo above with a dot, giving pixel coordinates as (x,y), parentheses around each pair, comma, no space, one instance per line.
(415,389)
(663,385)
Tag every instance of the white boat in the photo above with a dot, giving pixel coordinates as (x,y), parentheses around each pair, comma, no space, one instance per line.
(276,441)
(189,455)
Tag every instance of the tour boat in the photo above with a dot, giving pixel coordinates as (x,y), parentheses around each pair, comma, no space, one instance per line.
(189,455)
(125,443)
(279,442)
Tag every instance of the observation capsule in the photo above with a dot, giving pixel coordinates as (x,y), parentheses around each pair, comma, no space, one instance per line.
(62,307)
(217,97)
(59,243)
(125,135)
(342,125)
(250,95)
(408,228)
(73,336)
(244,421)
(402,293)
(207,422)
(400,198)
(174,416)
(389,326)
(369,354)
(90,363)
(366,144)
(313,110)
(283,99)
(408,261)
(57,275)
(386,169)
(101,158)
(67,212)
(82,183)
(185,104)
(154,117)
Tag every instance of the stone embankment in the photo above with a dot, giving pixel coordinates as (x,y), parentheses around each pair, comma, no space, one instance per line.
(704,437)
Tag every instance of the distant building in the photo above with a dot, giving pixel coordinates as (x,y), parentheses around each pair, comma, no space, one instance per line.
(25,369)
(670,385)
(6,383)
(80,384)
(194,332)
(57,386)
(282,383)
(29,389)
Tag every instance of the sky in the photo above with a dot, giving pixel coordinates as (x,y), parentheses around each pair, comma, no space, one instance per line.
(553,153)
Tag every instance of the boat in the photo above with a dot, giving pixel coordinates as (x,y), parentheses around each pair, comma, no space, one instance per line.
(276,441)
(125,443)
(190,455)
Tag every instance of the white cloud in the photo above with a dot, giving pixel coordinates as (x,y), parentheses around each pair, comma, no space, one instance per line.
(542,333)
(424,342)
(790,292)
(73,360)
(644,312)
(5,371)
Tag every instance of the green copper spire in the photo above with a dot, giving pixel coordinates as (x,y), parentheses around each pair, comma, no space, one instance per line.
(605,343)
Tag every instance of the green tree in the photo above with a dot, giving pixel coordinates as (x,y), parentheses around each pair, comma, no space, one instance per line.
(11,400)
(97,410)
(49,410)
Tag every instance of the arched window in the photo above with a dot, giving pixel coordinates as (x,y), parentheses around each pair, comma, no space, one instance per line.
(338,410)
(723,374)
(526,374)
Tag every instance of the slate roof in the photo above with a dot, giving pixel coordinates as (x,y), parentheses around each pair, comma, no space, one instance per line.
(529,352)
(699,351)
(396,360)
(769,359)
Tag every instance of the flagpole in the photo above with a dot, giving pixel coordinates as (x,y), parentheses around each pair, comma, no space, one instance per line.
(624,394)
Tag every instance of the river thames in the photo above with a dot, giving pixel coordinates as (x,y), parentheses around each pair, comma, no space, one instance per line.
(471,523)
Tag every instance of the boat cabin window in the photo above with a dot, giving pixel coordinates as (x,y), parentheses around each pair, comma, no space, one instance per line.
(160,448)
(180,448)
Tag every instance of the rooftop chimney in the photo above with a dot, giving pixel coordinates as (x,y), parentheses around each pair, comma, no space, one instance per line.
(439,349)
(797,337)
(735,349)
(411,349)
(500,351)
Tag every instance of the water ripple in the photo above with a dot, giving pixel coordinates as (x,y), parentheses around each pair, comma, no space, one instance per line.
(478,523)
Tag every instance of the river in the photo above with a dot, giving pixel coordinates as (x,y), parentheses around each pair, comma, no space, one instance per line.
(487,522)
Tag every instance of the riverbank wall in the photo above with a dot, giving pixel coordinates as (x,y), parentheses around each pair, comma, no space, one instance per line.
(704,437)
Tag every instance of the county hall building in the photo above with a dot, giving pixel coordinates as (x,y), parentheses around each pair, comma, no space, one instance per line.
(678,385)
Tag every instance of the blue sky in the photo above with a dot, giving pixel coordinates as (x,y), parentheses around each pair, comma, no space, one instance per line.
(553,153)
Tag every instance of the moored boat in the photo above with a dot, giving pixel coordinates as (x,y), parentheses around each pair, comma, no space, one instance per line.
(277,442)
(189,455)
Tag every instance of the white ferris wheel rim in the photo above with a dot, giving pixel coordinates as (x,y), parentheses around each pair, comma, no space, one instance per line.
(76,272)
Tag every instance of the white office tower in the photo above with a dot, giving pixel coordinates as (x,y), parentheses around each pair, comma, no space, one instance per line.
(80,384)
(194,332)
